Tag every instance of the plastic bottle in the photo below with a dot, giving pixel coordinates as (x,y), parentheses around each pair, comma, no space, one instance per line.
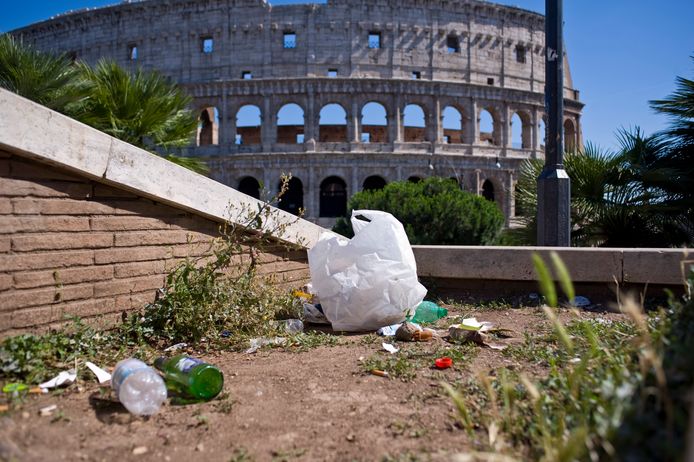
(428,312)
(190,377)
(292,326)
(138,387)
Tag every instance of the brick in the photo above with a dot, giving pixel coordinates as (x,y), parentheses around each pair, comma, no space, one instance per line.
(196,223)
(5,206)
(5,244)
(157,238)
(14,299)
(62,276)
(27,188)
(126,223)
(33,317)
(144,207)
(103,191)
(105,256)
(6,281)
(191,250)
(144,268)
(135,301)
(127,286)
(57,241)
(36,171)
(60,207)
(5,323)
(28,262)
(88,308)
(43,224)
(280,267)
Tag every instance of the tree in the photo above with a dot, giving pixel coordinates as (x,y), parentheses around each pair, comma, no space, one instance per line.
(433,211)
(141,108)
(52,81)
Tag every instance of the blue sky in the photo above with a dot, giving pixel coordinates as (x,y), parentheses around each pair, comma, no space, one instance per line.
(622,53)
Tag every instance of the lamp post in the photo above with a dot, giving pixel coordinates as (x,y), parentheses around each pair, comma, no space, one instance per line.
(553,184)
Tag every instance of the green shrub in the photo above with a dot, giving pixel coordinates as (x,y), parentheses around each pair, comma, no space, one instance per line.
(433,211)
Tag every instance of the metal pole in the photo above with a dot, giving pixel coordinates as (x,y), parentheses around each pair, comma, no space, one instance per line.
(553,184)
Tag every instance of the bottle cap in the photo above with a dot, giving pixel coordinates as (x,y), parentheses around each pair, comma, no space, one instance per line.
(443,363)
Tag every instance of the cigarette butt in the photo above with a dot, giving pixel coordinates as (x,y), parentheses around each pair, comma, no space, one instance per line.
(37,390)
(379,373)
(4,408)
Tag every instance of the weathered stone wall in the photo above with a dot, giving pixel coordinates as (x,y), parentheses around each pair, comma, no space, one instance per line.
(73,246)
(469,55)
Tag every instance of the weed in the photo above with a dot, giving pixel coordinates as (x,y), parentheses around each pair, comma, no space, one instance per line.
(305,341)
(240,455)
(286,456)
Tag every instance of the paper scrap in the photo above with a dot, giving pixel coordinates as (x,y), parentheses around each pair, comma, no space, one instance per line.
(101,375)
(48,410)
(177,346)
(390,348)
(64,378)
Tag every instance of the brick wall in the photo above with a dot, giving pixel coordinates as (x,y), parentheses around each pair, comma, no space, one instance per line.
(71,246)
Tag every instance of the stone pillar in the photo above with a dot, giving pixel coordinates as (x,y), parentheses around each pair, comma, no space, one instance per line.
(395,120)
(310,124)
(478,181)
(354,185)
(475,122)
(509,199)
(354,124)
(435,123)
(269,128)
(310,186)
(505,125)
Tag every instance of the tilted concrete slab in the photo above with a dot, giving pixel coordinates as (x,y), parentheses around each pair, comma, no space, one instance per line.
(47,136)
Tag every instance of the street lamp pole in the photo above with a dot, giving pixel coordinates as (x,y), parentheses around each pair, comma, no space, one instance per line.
(553,184)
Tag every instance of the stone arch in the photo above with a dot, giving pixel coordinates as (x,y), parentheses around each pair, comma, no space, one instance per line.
(452,125)
(250,186)
(249,122)
(332,124)
(333,197)
(374,123)
(521,131)
(292,200)
(414,179)
(290,124)
(488,122)
(208,127)
(374,183)
(569,135)
(488,190)
(414,123)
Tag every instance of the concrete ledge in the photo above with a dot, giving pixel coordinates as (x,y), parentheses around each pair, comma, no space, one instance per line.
(511,269)
(49,137)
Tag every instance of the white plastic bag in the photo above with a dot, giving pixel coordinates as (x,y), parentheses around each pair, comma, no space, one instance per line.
(369,281)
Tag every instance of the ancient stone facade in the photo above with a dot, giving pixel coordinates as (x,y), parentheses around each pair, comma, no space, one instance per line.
(377,90)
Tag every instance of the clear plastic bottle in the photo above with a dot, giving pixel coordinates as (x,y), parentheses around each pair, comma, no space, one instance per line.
(190,377)
(138,387)
(292,326)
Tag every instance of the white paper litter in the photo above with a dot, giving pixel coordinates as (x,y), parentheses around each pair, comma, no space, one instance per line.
(48,410)
(390,348)
(101,375)
(64,378)
(474,324)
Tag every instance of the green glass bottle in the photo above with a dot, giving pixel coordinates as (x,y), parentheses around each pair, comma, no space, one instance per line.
(190,377)
(428,312)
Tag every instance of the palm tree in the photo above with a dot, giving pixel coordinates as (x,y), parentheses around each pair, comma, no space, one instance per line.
(141,108)
(52,81)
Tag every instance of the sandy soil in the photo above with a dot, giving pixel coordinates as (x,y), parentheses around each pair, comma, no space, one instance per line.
(280,405)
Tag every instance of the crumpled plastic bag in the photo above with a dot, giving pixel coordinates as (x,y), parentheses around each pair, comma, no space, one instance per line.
(369,281)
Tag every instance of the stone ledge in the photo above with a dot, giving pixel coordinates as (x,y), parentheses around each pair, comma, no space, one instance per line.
(586,265)
(52,138)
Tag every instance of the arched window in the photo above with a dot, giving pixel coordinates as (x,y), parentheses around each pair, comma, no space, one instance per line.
(333,197)
(292,200)
(516,132)
(248,125)
(374,123)
(332,124)
(208,127)
(290,124)
(569,136)
(487,128)
(488,190)
(452,126)
(374,183)
(414,179)
(415,123)
(250,187)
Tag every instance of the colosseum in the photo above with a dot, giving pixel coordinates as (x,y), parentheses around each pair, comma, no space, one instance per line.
(345,96)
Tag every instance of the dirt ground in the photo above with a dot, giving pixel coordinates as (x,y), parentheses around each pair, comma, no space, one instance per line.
(280,405)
